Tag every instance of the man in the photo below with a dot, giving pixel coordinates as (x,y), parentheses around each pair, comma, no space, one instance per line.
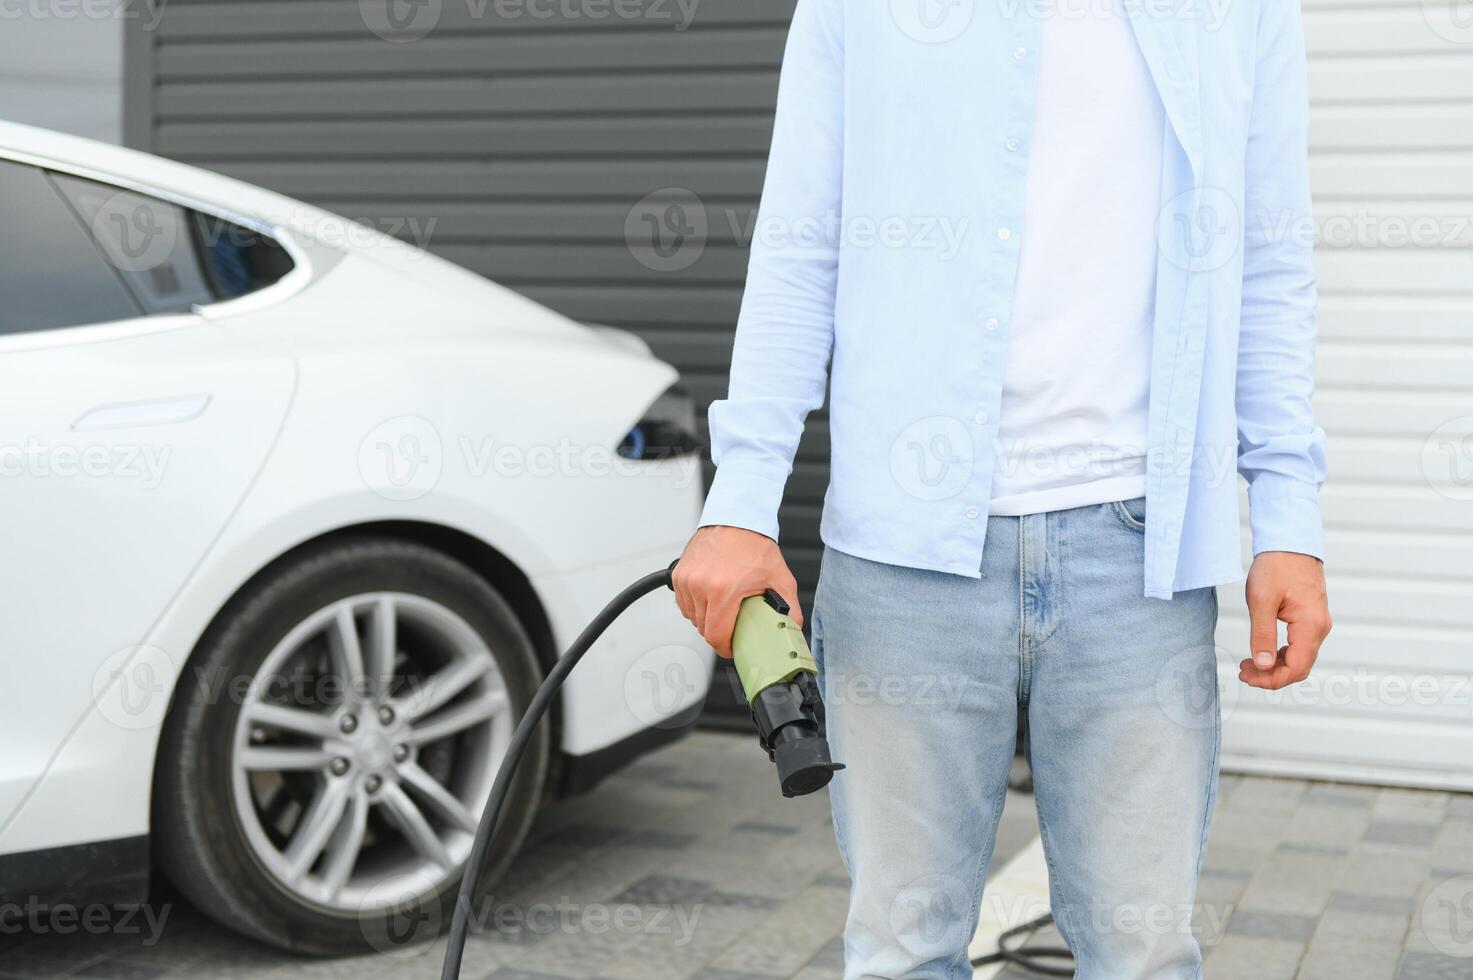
(1034,435)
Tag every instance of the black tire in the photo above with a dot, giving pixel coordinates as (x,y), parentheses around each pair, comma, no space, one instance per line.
(198,838)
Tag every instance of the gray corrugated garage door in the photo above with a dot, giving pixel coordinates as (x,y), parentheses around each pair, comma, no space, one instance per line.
(517,138)
(532,138)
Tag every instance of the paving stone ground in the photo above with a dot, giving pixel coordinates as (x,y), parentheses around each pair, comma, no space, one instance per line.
(716,877)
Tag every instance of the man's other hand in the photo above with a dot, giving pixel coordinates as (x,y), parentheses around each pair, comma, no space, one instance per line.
(721,567)
(1284,586)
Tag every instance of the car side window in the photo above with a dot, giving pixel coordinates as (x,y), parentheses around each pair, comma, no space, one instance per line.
(146,241)
(237,260)
(171,257)
(75,252)
(51,271)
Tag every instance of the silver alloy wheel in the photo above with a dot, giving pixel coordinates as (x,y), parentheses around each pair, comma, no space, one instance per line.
(365,749)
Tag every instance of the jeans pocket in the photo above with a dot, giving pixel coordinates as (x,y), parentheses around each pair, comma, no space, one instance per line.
(1132,513)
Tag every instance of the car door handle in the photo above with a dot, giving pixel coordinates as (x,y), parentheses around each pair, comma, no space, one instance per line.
(153,411)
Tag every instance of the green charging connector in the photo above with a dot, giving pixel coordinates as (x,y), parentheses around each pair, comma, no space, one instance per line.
(780,680)
(768,646)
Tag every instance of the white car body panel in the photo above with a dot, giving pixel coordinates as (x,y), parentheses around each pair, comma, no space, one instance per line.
(375,383)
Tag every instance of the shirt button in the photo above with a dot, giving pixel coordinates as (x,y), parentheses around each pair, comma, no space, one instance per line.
(1004,234)
(992,324)
(1012,145)
(1020,53)
(972,513)
(981,418)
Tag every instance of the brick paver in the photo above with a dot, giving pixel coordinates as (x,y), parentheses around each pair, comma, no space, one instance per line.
(725,880)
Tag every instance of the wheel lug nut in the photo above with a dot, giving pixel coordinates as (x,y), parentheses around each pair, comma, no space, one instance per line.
(339,766)
(372,784)
(348,724)
(386,715)
(401,752)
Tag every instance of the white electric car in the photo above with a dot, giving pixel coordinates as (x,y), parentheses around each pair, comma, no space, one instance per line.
(296,517)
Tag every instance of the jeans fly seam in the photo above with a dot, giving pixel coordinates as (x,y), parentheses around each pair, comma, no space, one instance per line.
(1050,585)
(1024,654)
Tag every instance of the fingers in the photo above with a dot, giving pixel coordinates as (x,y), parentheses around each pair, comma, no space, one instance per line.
(1272,679)
(700,613)
(1263,633)
(722,566)
(1307,632)
(689,597)
(683,597)
(1290,587)
(1290,667)
(710,606)
(1308,625)
(721,617)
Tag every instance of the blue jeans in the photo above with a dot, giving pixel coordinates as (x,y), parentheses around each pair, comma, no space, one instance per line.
(923,676)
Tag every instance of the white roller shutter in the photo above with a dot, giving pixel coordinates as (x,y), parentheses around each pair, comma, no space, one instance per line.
(1391,88)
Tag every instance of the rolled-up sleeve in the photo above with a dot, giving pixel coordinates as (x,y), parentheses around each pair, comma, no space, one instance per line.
(785,330)
(1281,451)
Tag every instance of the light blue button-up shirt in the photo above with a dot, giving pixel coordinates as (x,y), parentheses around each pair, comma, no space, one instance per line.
(886,249)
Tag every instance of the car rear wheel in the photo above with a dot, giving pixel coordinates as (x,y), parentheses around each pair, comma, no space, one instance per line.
(333,742)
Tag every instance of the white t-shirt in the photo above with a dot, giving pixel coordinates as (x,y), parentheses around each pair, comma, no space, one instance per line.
(1076,390)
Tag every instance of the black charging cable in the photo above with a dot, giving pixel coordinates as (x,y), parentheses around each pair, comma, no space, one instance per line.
(1027,957)
(461,917)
